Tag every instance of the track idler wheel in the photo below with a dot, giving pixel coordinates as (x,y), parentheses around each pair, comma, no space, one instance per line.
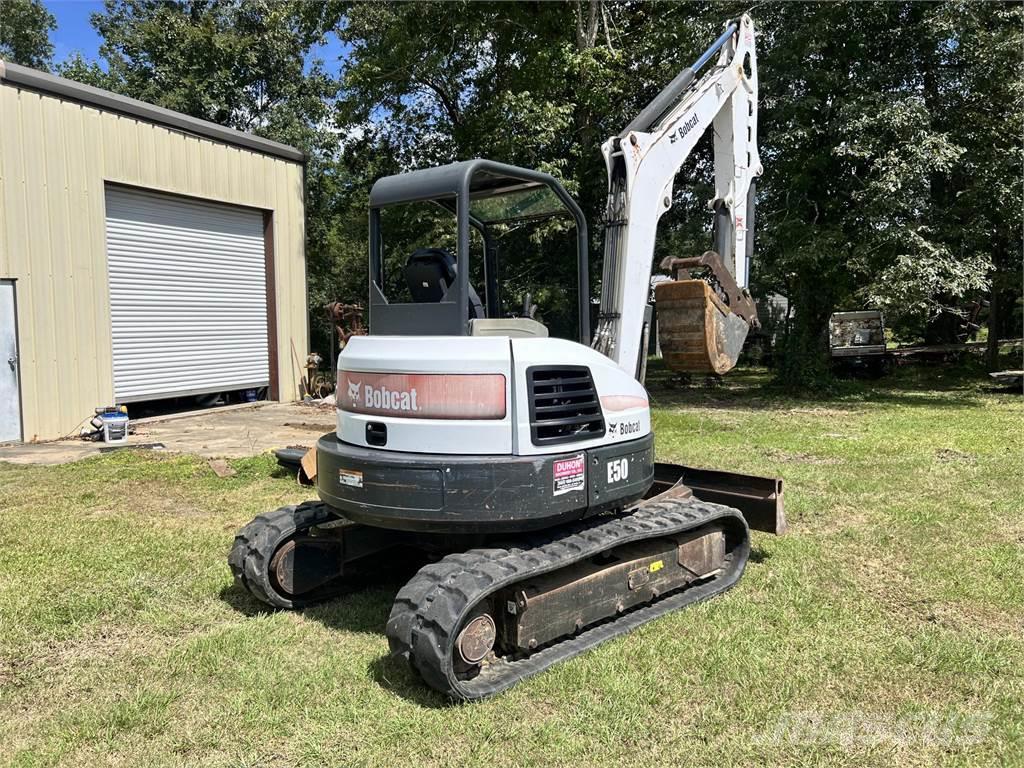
(278,559)
(476,639)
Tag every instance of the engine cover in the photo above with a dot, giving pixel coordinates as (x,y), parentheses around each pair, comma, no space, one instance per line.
(484,396)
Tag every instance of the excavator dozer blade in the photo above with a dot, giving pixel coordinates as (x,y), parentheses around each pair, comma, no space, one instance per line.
(759,499)
(698,333)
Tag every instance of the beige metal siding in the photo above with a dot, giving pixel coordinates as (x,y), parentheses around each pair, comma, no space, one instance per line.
(55,157)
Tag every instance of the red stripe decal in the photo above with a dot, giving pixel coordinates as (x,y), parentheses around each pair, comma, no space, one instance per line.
(423,395)
(623,402)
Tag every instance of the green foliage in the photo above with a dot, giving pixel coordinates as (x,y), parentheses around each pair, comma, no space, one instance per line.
(867,131)
(25,27)
(872,135)
(78,68)
(238,64)
(889,132)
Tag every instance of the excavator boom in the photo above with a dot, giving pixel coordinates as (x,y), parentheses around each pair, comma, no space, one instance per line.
(704,313)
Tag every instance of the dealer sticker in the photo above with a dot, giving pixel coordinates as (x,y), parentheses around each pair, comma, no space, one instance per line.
(350,477)
(569,475)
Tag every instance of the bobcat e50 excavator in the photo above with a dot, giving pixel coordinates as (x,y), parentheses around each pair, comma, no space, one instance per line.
(522,466)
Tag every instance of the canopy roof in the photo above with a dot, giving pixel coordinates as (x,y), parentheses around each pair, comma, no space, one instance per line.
(497,192)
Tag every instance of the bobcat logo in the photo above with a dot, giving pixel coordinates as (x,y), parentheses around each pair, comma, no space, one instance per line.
(353,391)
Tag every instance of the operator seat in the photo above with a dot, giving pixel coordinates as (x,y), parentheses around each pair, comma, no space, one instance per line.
(429,272)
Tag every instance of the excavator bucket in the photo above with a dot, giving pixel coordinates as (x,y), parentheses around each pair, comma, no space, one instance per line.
(697,331)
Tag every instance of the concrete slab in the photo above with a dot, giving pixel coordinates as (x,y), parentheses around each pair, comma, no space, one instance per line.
(232,432)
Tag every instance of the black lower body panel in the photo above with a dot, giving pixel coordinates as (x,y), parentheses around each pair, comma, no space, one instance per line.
(480,494)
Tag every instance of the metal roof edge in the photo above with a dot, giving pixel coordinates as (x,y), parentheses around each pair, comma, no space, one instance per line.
(33,79)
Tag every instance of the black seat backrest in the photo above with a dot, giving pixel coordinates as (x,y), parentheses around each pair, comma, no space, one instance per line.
(429,273)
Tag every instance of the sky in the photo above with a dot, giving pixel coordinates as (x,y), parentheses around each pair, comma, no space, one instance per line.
(75,33)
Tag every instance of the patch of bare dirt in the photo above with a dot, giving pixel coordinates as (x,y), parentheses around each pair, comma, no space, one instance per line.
(9,673)
(948,455)
(966,616)
(896,592)
(160,504)
(326,404)
(820,410)
(800,457)
(834,518)
(318,428)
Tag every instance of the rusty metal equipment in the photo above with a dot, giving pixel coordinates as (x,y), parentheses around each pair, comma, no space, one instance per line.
(703,318)
(759,498)
(563,602)
(347,320)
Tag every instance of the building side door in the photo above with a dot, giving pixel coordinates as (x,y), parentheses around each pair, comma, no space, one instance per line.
(10,382)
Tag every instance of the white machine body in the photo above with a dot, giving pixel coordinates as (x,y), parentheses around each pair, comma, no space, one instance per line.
(432,394)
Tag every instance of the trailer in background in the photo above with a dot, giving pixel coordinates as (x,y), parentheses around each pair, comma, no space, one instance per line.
(856,342)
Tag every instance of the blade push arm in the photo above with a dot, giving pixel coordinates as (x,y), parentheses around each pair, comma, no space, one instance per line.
(642,163)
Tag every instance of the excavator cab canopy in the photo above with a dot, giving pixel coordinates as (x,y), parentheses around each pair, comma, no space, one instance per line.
(481,194)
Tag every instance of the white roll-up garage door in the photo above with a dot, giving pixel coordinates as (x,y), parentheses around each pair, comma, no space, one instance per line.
(188,296)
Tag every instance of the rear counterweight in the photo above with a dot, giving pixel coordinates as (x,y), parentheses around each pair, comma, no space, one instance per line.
(480,494)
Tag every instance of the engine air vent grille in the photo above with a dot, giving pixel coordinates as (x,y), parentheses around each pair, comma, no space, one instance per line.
(563,404)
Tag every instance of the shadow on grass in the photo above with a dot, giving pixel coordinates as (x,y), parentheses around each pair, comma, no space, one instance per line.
(394,674)
(758,555)
(959,386)
(363,608)
(240,600)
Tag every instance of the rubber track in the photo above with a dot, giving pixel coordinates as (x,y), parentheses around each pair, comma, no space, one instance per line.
(255,544)
(431,608)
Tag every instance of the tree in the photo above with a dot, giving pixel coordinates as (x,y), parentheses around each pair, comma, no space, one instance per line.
(241,64)
(983,108)
(535,84)
(888,156)
(76,67)
(836,126)
(25,27)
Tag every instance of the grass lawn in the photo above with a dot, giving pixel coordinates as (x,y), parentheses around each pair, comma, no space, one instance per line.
(888,626)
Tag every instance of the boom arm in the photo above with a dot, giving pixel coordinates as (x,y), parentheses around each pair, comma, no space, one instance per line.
(642,163)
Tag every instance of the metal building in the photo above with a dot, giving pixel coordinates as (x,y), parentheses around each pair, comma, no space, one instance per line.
(144,254)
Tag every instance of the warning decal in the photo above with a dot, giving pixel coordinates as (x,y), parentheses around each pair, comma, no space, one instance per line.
(569,474)
(350,477)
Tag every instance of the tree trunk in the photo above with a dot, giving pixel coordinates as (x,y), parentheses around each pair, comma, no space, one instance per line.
(942,327)
(995,308)
(994,318)
(804,363)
